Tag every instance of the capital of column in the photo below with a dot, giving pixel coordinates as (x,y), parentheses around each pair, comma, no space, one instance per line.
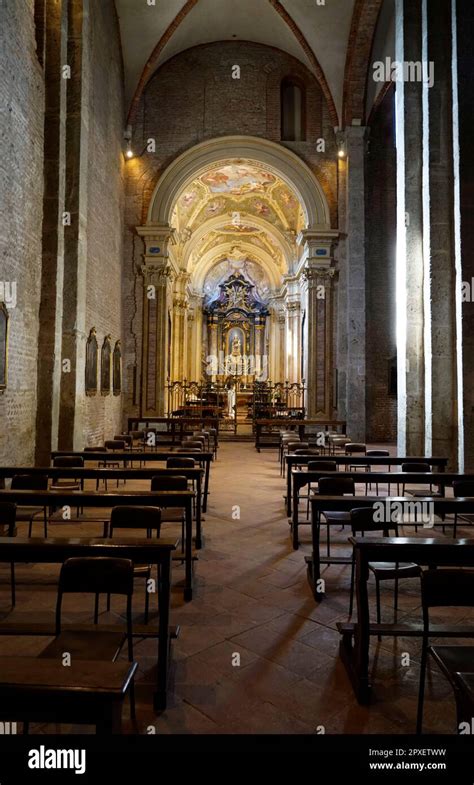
(318,245)
(157,239)
(318,275)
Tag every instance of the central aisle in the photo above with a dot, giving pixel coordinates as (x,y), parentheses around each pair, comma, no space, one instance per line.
(253,604)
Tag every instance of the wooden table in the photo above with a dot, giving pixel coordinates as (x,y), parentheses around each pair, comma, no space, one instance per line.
(109,499)
(79,473)
(441,506)
(277,424)
(203,458)
(90,692)
(355,641)
(57,550)
(351,460)
(300,478)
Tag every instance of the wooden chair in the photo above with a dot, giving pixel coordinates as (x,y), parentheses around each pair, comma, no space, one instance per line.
(336,486)
(355,448)
(68,461)
(111,445)
(362,521)
(377,454)
(445,588)
(318,466)
(462,488)
(174,483)
(418,467)
(141,518)
(7,524)
(28,482)
(94,575)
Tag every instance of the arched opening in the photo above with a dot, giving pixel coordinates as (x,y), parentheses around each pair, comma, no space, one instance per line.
(226,241)
(292,102)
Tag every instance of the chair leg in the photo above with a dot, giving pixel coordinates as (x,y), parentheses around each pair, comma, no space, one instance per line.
(147,601)
(455,524)
(108,602)
(421,692)
(12,583)
(96,609)
(328,544)
(30,527)
(45,521)
(377,594)
(395,600)
(133,713)
(351,601)
(182,535)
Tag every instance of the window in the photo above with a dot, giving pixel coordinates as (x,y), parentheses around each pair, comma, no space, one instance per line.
(292,111)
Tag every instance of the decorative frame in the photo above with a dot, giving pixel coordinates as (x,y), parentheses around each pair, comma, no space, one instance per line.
(4,324)
(117,368)
(92,351)
(105,365)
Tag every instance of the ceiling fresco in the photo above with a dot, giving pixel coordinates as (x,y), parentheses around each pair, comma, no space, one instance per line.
(238,191)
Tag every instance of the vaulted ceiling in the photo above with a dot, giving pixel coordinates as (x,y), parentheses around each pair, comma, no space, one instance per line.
(322,37)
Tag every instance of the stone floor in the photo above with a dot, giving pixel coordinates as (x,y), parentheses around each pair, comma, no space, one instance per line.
(256,654)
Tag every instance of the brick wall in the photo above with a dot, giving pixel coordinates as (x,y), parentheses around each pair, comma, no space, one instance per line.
(21,188)
(380,281)
(191,98)
(105,189)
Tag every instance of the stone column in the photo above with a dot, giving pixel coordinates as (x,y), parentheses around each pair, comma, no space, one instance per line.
(50,313)
(73,346)
(319,361)
(316,284)
(157,278)
(439,256)
(409,295)
(355,141)
(179,348)
(463,125)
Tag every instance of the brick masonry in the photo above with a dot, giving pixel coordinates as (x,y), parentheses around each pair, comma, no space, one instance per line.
(105,192)
(380,269)
(21,193)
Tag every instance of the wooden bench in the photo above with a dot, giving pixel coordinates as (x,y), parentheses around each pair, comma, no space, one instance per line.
(57,550)
(86,692)
(355,637)
(204,459)
(87,473)
(109,499)
(349,460)
(441,506)
(300,478)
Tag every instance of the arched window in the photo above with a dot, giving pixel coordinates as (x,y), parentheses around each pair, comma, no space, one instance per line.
(292,111)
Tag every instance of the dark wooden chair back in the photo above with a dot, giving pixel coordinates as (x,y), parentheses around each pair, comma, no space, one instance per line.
(165,483)
(8,517)
(68,461)
(447,588)
(416,467)
(125,517)
(355,447)
(30,482)
(115,444)
(180,463)
(322,466)
(463,488)
(336,486)
(362,521)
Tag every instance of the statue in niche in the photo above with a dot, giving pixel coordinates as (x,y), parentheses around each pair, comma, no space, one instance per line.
(117,368)
(91,363)
(236,347)
(106,354)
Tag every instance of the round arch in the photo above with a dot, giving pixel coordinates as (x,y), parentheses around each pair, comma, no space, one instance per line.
(218,254)
(278,159)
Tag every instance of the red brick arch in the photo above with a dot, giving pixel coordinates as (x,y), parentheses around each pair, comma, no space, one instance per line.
(364,23)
